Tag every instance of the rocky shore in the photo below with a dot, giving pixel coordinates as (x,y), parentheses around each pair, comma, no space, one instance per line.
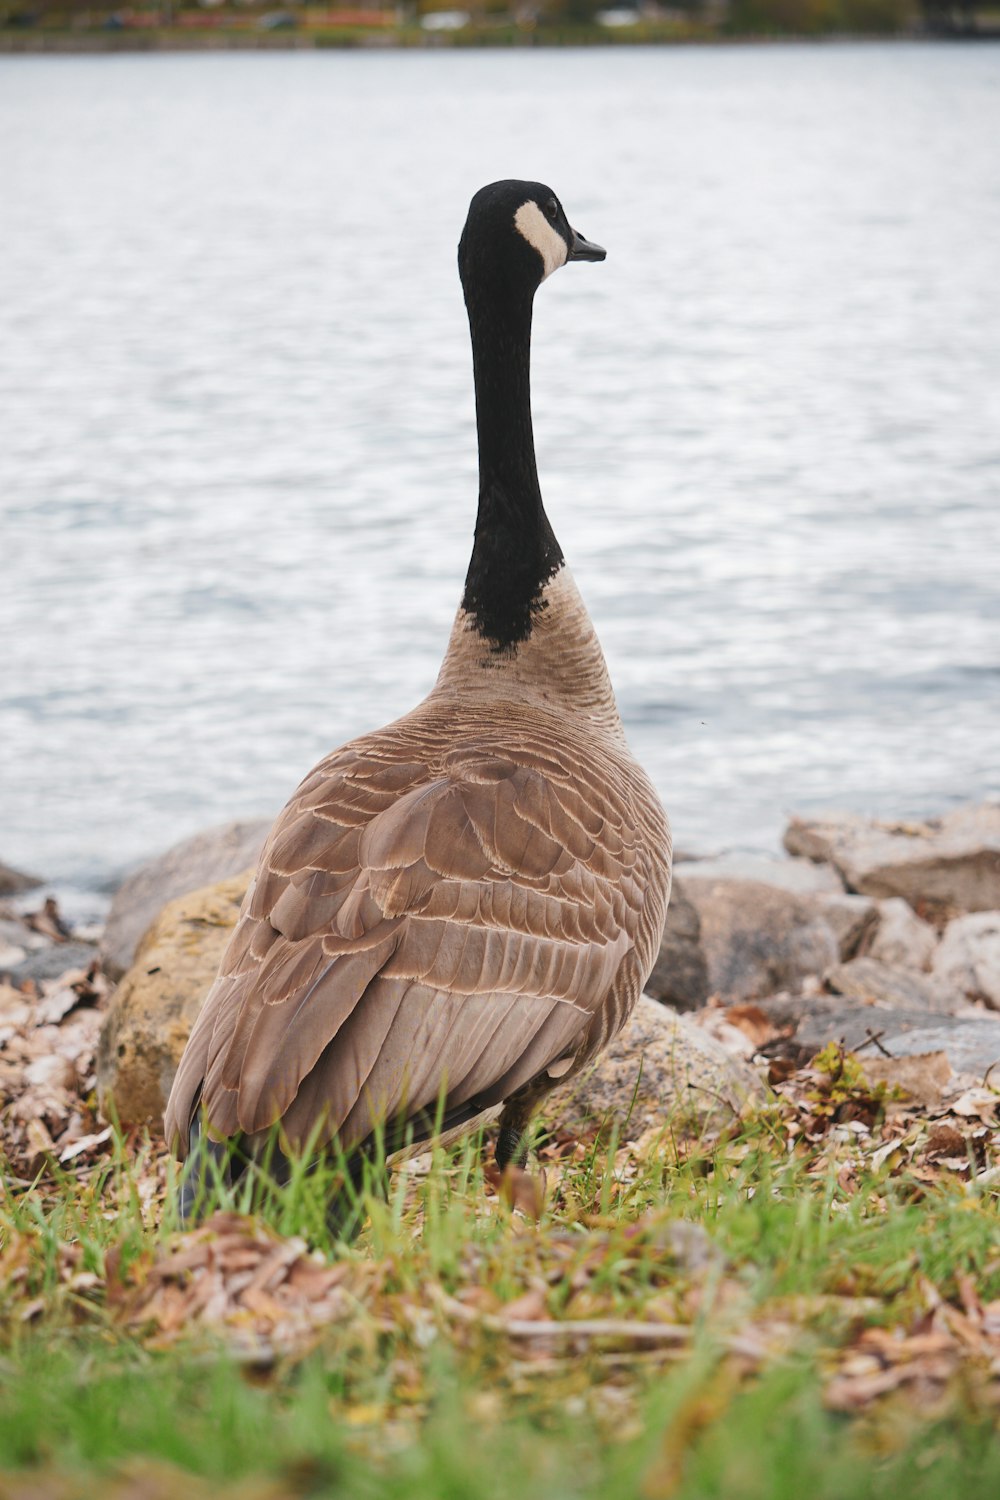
(880,938)
(246,35)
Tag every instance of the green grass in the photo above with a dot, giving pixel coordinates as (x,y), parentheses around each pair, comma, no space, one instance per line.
(399,1398)
(89,1411)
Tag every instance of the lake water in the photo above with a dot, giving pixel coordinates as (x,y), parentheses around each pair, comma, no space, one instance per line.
(237,457)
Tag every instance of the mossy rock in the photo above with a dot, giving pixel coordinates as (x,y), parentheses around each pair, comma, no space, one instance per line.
(660,1068)
(156,1003)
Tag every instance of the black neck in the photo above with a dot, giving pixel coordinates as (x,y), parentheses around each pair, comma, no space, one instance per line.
(515,551)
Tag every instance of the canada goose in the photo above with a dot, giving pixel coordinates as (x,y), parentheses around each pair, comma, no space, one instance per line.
(463,906)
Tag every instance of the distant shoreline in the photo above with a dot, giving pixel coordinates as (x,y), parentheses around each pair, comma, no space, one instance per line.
(179,39)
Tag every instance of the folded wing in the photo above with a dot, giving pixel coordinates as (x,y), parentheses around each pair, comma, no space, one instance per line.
(413,930)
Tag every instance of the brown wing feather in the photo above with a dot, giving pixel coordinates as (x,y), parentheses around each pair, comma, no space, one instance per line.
(415,926)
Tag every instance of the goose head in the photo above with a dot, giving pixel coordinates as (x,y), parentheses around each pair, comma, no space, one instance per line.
(516,235)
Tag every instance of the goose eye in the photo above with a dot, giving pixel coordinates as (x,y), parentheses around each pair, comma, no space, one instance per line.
(552,209)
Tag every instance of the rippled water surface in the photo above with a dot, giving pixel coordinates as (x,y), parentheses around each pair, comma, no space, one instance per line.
(237,457)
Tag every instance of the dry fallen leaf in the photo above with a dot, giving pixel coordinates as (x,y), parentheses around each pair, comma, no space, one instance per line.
(518,1188)
(756,1024)
(85,1143)
(944,1140)
(922,1078)
(979,1103)
(532,1304)
(234,1275)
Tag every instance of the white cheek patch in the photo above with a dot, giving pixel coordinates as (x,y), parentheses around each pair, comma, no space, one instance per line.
(530,222)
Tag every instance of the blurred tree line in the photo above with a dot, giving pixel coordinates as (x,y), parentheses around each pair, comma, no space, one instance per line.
(733,17)
(560,18)
(811,17)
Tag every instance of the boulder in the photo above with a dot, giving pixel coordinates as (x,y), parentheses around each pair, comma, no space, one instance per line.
(757,938)
(217,854)
(972,1046)
(875,983)
(659,1068)
(971,1042)
(901,939)
(968,957)
(852,918)
(154,1007)
(739,937)
(680,974)
(13,882)
(52,960)
(946,863)
(801,876)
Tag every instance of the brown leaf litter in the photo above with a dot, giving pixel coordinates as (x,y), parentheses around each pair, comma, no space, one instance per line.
(48,1047)
(947,1343)
(139,1479)
(269,1294)
(269,1297)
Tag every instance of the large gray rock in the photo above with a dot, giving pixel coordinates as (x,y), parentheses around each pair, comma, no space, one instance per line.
(740,937)
(801,876)
(972,1046)
(51,961)
(217,854)
(968,957)
(156,1004)
(972,1043)
(874,983)
(757,939)
(13,882)
(852,918)
(901,939)
(680,974)
(660,1068)
(944,863)
(814,1020)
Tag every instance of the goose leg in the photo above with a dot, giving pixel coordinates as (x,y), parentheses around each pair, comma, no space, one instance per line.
(511,1145)
(365,1169)
(198,1181)
(212,1164)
